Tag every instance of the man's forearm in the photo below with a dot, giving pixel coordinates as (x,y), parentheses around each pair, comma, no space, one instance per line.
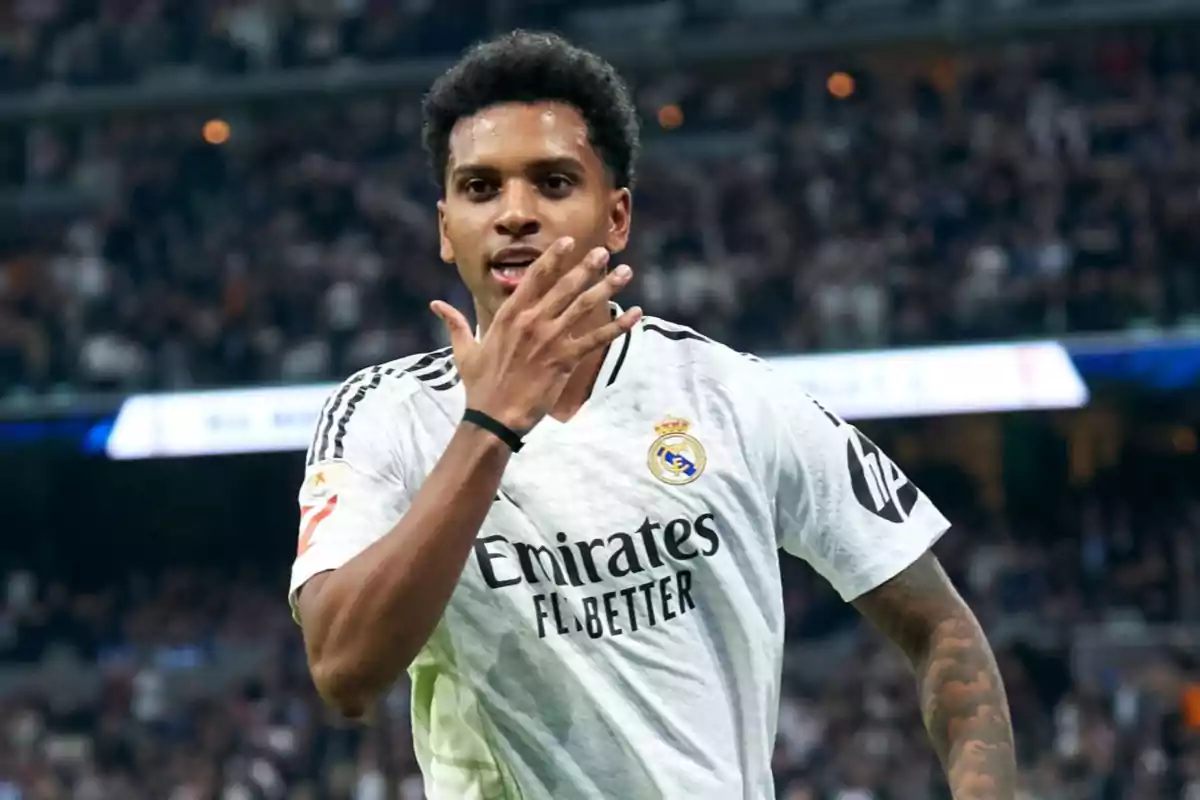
(962,695)
(966,711)
(364,622)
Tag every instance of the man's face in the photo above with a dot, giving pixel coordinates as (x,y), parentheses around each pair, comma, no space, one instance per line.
(519,177)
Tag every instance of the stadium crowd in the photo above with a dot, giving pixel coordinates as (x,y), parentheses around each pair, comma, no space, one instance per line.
(89,43)
(1019,190)
(162,715)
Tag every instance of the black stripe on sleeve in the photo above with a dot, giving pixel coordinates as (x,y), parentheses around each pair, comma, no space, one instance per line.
(455,380)
(435,371)
(444,368)
(336,413)
(429,360)
(675,335)
(322,419)
(339,440)
(320,443)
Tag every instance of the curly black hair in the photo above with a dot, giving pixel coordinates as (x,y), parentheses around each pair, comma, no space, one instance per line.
(529,67)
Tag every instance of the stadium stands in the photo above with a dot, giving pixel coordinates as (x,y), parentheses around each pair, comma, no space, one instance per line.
(1041,189)
(197,682)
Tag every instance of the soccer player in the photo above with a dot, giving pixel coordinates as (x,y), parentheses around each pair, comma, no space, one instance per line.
(566,525)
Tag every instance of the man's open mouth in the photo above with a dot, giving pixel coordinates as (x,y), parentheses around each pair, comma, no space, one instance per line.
(509,266)
(510,271)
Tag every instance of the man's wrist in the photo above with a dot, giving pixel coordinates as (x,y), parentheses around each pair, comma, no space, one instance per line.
(480,444)
(486,422)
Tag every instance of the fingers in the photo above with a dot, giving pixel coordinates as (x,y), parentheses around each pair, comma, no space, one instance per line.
(607,334)
(597,295)
(569,286)
(457,327)
(545,272)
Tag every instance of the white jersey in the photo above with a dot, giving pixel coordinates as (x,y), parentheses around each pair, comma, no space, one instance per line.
(618,630)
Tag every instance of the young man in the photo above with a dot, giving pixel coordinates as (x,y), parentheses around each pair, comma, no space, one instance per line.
(566,526)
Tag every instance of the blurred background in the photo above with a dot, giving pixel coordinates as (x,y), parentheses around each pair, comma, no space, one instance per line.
(211,210)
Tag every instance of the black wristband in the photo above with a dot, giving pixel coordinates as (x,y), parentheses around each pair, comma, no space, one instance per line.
(496,427)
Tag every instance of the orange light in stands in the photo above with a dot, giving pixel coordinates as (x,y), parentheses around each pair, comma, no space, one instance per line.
(840,85)
(216,131)
(1191,706)
(670,116)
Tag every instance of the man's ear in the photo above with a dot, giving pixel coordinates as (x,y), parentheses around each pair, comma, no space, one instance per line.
(620,214)
(445,249)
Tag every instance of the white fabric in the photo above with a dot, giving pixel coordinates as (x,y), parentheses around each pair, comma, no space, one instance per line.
(615,635)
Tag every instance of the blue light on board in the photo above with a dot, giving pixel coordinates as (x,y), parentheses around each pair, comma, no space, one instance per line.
(1162,365)
(86,432)
(97,437)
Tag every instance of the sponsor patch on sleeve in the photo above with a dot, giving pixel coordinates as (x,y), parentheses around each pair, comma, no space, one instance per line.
(322,481)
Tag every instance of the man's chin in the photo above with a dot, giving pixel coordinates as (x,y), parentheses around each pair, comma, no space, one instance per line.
(495,298)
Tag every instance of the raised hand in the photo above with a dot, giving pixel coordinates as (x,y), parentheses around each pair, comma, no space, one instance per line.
(518,370)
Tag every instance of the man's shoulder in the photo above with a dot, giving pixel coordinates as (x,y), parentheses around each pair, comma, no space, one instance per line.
(674,345)
(434,371)
(374,403)
(428,375)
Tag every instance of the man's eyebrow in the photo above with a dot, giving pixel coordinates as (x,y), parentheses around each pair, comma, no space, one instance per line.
(559,163)
(472,170)
(541,165)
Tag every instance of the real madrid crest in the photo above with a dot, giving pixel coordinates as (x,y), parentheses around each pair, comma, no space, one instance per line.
(676,457)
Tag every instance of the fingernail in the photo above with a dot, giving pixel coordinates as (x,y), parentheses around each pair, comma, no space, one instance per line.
(564,244)
(623,272)
(601,255)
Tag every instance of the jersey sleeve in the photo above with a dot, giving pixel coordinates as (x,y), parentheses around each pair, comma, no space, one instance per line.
(354,490)
(841,504)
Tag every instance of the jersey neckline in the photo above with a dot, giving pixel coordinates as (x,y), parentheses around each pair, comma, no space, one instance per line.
(616,363)
(616,359)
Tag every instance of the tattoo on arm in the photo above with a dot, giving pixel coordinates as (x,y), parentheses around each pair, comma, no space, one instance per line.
(961,693)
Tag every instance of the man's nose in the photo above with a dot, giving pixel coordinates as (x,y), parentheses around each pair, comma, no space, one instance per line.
(518,210)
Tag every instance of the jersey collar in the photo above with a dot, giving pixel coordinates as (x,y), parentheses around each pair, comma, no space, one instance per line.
(616,360)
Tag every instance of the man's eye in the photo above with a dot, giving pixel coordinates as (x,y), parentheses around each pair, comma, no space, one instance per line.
(476,187)
(556,183)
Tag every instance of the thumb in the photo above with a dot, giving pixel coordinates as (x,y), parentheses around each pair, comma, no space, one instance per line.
(459,330)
